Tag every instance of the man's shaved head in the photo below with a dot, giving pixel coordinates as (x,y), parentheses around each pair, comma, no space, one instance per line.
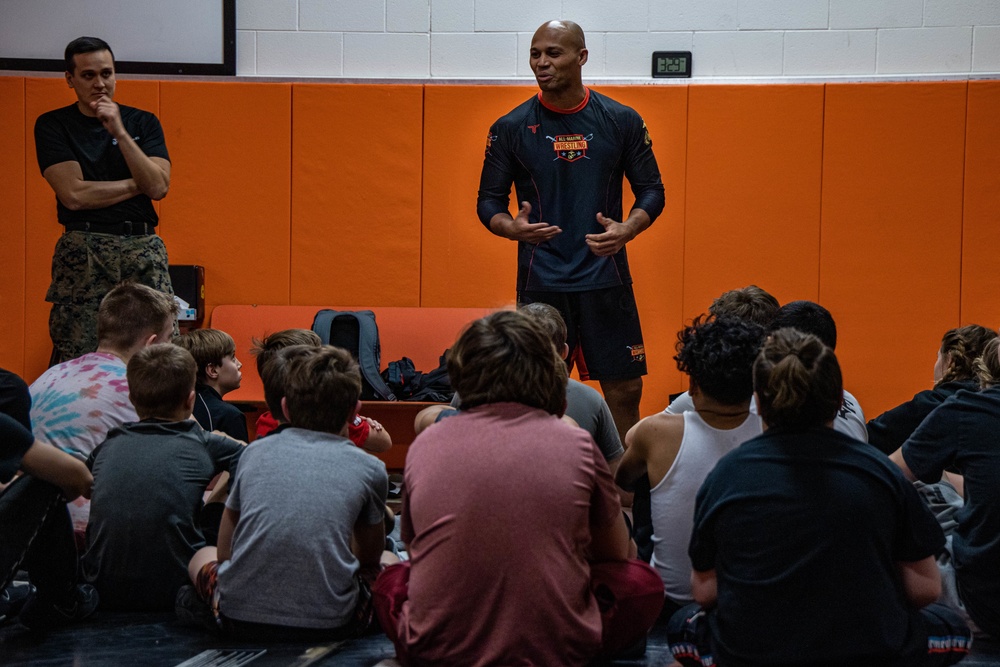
(572,30)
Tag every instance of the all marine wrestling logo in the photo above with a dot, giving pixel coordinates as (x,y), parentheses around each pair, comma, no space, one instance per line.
(637,352)
(570,147)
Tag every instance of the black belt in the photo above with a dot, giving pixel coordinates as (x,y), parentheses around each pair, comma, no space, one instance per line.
(116,228)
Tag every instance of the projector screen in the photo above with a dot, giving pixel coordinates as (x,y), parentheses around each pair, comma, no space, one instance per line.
(147,36)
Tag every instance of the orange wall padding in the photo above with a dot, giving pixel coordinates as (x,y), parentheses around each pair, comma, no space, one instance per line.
(356,171)
(981,210)
(879,200)
(12,233)
(228,206)
(890,248)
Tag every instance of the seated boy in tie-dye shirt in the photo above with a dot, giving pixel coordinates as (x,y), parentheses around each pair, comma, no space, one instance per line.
(75,404)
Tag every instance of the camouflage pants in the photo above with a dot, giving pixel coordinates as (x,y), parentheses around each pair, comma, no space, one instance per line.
(85,267)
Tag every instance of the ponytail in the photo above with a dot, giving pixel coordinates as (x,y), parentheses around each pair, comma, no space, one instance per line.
(797,380)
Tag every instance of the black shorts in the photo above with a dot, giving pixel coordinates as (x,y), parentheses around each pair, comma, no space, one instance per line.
(603,332)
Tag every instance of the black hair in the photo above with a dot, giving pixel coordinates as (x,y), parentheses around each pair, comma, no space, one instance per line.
(808,317)
(718,355)
(85,45)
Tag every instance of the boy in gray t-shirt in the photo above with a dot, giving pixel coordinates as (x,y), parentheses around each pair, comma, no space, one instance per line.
(302,534)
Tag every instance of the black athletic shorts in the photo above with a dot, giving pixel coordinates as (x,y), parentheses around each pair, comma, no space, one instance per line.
(603,332)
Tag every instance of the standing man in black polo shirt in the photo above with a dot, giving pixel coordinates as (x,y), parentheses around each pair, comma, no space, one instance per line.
(566,151)
(106,163)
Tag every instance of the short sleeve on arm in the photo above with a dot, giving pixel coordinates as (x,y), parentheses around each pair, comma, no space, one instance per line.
(15,440)
(607,434)
(378,490)
(225,453)
(931,448)
(358,431)
(15,400)
(918,534)
(51,146)
(151,141)
(235,492)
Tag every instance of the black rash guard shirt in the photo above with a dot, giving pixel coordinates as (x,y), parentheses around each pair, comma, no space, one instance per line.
(569,164)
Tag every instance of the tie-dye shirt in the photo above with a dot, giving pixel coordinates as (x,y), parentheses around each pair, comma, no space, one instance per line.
(75,404)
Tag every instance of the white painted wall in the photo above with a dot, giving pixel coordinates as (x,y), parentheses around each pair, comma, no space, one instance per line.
(488,39)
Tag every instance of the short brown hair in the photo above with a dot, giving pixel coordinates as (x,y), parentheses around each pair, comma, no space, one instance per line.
(265,348)
(207,346)
(130,313)
(322,389)
(275,375)
(508,356)
(750,303)
(550,319)
(798,382)
(160,379)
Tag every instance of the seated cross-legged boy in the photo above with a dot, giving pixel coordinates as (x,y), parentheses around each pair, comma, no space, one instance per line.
(364,432)
(678,451)
(302,533)
(149,480)
(218,374)
(518,545)
(75,404)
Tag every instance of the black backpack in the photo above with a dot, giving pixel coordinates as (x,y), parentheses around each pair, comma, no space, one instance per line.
(356,332)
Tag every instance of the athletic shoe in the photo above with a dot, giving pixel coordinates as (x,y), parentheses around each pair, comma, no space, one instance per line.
(13,599)
(39,615)
(192,611)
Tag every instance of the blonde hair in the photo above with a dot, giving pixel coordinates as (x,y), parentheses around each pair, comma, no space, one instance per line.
(798,382)
(988,364)
(962,347)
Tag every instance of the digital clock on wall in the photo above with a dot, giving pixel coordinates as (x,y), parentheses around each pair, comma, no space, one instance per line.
(671,64)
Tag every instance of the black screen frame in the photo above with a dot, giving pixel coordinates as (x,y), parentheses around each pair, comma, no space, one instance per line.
(226,68)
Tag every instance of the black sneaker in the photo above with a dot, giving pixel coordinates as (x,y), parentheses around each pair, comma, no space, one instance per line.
(39,615)
(192,611)
(13,599)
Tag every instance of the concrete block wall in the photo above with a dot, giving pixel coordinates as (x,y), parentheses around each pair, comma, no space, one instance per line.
(488,39)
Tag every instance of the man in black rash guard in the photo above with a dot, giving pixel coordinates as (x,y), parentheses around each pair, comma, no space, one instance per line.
(566,151)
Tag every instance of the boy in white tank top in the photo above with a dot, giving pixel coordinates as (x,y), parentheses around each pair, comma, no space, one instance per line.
(678,451)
